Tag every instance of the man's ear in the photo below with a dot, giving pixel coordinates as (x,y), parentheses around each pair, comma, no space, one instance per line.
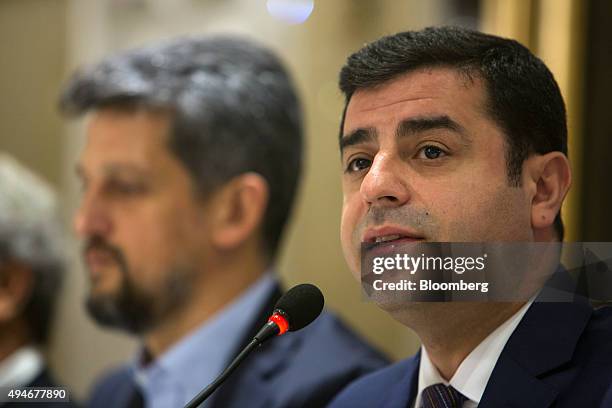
(16,282)
(238,210)
(551,176)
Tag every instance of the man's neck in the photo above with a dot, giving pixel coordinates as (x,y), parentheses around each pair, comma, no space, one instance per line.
(450,331)
(208,298)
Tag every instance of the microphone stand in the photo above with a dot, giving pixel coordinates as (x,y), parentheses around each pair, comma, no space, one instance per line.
(267,331)
(303,302)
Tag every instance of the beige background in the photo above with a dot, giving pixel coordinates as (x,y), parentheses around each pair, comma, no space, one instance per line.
(43,40)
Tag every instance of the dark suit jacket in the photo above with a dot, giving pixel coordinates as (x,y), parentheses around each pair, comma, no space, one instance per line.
(560,355)
(302,369)
(44,379)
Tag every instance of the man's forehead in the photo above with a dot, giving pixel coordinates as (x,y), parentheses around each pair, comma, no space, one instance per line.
(145,125)
(116,158)
(413,85)
(431,91)
(123,142)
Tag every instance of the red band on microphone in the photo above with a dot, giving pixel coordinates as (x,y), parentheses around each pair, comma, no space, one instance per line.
(281,322)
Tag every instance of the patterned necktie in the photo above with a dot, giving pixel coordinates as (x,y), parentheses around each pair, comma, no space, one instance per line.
(441,396)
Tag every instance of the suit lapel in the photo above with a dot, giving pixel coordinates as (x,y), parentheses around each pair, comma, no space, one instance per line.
(252,381)
(404,391)
(543,341)
(258,368)
(264,313)
(511,385)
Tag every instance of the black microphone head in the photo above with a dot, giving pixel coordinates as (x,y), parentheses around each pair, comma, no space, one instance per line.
(301,305)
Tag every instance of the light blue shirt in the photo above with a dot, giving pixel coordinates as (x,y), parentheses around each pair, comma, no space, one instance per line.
(176,376)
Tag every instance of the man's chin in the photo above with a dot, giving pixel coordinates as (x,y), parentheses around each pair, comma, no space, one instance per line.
(390,303)
(104,309)
(120,310)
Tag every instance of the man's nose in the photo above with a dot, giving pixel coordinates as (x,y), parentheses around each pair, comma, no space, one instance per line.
(384,184)
(91,217)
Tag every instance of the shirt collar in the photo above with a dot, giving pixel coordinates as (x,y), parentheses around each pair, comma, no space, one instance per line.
(473,373)
(21,367)
(200,356)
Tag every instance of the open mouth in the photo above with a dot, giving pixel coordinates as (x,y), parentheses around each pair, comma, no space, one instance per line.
(393,238)
(386,239)
(388,244)
(98,260)
(389,234)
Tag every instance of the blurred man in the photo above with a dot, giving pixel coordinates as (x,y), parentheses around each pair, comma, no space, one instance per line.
(192,159)
(451,135)
(31,271)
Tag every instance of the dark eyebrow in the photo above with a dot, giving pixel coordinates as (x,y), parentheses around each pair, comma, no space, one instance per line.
(114,169)
(413,126)
(357,136)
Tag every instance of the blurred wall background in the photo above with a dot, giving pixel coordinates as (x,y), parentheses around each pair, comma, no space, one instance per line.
(44,40)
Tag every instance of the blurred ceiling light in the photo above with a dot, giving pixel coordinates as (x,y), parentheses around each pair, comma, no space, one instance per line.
(290,11)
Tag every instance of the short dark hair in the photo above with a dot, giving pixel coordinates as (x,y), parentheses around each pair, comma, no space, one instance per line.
(234,110)
(523,97)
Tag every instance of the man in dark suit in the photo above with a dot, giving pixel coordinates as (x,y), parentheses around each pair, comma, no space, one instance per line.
(451,135)
(192,160)
(32,266)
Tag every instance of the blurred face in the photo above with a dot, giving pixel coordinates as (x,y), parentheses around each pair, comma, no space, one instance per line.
(143,227)
(422,161)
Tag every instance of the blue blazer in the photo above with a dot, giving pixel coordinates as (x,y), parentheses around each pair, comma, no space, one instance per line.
(560,355)
(306,368)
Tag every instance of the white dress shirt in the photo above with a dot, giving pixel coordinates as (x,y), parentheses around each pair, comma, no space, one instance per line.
(21,368)
(473,374)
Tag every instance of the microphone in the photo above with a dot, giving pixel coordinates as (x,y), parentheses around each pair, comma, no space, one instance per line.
(295,310)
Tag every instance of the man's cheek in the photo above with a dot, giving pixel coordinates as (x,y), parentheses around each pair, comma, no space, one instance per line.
(352,257)
(347,230)
(469,222)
